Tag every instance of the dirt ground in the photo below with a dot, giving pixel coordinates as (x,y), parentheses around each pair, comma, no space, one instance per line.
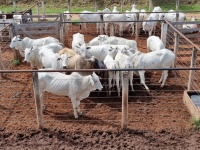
(157,120)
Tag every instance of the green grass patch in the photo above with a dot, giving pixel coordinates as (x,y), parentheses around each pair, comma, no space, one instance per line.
(195,123)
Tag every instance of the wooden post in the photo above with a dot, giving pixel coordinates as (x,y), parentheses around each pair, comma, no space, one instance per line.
(14,5)
(37,10)
(122,6)
(124,122)
(192,65)
(112,29)
(150,5)
(62,29)
(101,24)
(1,64)
(96,6)
(43,8)
(69,6)
(137,26)
(37,101)
(177,5)
(176,45)
(164,28)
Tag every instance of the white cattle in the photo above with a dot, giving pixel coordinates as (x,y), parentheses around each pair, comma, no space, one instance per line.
(113,76)
(77,40)
(22,44)
(125,62)
(99,51)
(75,86)
(154,43)
(32,54)
(113,40)
(131,18)
(98,40)
(53,60)
(67,18)
(190,26)
(150,25)
(115,19)
(88,16)
(171,16)
(157,9)
(163,58)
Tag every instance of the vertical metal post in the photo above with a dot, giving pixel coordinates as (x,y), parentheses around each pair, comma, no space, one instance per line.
(38,101)
(176,45)
(124,122)
(14,5)
(192,65)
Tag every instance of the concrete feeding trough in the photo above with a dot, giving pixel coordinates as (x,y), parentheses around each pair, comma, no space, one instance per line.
(192,100)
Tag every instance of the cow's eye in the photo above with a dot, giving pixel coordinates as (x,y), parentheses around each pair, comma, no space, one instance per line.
(29,53)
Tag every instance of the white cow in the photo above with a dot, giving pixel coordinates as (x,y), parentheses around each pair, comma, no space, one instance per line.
(53,60)
(190,26)
(115,19)
(22,44)
(113,40)
(100,51)
(154,43)
(153,60)
(157,9)
(67,18)
(75,86)
(97,40)
(77,40)
(32,54)
(171,16)
(125,62)
(88,16)
(150,25)
(111,63)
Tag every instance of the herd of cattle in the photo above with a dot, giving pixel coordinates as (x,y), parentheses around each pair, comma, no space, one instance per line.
(127,20)
(108,52)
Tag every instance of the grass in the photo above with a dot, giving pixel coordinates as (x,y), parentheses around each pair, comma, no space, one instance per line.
(50,8)
(195,123)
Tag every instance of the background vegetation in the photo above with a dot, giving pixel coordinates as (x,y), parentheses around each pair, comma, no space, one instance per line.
(58,6)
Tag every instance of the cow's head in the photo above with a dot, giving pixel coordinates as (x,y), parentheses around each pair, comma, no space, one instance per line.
(15,41)
(96,82)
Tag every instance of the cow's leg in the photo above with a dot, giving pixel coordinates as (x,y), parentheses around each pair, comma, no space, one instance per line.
(110,81)
(142,79)
(42,102)
(78,107)
(163,77)
(131,79)
(117,82)
(75,108)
